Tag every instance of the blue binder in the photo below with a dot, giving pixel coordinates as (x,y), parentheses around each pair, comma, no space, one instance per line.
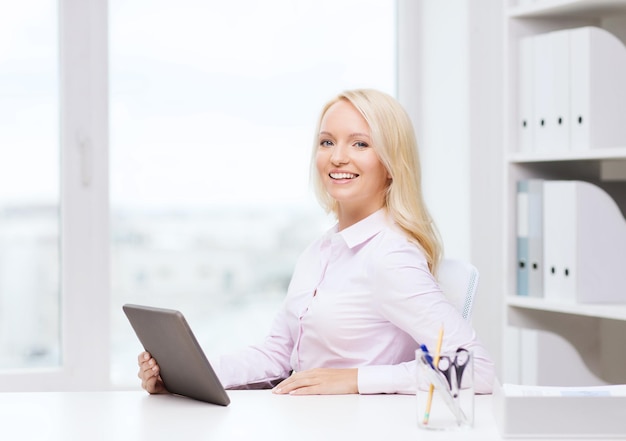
(522,237)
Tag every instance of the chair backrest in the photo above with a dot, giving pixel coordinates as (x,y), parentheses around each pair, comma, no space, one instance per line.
(459,282)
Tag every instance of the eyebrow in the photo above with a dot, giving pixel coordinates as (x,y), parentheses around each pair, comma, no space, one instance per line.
(352,135)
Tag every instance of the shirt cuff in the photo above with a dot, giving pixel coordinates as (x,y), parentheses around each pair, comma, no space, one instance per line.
(388,379)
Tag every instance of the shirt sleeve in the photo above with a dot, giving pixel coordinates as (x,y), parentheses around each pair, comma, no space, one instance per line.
(262,365)
(410,298)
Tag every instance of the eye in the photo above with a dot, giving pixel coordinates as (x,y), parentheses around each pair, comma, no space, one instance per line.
(326,143)
(361,144)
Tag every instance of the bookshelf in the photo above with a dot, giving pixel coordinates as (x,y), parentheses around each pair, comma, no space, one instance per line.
(591,335)
(603,311)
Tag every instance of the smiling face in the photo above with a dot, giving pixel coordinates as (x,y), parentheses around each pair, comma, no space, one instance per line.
(348,165)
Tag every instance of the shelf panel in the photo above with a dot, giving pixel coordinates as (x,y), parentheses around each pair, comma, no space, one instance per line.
(606,311)
(580,155)
(568,8)
(590,335)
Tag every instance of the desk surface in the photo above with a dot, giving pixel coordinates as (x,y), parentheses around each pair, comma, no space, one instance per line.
(135,415)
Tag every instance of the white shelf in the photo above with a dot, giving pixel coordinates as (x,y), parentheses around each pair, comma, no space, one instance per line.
(582,155)
(604,311)
(580,326)
(568,8)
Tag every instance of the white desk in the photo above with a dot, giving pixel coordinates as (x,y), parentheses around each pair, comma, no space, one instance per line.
(252,415)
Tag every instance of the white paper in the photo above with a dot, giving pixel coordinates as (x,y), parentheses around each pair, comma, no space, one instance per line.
(517,390)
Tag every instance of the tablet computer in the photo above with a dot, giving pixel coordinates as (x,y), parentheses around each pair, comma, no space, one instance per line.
(184,368)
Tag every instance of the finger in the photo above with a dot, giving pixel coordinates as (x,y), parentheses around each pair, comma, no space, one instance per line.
(148,373)
(149,363)
(308,390)
(148,369)
(284,385)
(146,361)
(297,382)
(144,356)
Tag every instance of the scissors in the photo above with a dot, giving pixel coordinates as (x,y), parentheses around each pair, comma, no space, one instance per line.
(458,362)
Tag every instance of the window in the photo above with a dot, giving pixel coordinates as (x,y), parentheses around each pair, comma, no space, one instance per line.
(166,167)
(29,187)
(213,107)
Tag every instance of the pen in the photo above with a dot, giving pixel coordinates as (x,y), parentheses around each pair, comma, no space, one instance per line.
(431,390)
(427,356)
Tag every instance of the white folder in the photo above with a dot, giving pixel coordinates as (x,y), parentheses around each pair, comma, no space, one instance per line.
(535,237)
(559,222)
(584,244)
(560,118)
(598,89)
(525,98)
(543,73)
(551,82)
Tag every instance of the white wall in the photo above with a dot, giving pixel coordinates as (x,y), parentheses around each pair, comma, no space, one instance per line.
(450,81)
(444,135)
(434,87)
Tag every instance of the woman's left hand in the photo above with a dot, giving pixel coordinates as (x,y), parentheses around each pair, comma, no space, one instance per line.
(320,381)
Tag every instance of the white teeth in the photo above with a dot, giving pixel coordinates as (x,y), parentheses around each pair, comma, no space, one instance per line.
(343,175)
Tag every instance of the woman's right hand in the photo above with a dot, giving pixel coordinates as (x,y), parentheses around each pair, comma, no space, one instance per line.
(149,374)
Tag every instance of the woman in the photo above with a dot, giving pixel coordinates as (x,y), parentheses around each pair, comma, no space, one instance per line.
(362,297)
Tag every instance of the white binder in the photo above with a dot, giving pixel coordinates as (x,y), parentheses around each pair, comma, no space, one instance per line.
(543,73)
(535,237)
(525,119)
(560,119)
(550,83)
(598,89)
(572,89)
(559,222)
(584,244)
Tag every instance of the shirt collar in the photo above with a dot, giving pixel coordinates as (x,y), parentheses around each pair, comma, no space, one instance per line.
(364,229)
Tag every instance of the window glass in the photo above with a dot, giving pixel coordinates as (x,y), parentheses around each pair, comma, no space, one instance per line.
(29,186)
(213,107)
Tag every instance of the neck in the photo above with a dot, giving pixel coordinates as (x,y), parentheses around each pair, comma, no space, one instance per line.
(346,218)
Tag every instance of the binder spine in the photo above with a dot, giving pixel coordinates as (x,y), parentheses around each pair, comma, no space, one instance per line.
(535,238)
(525,123)
(522,238)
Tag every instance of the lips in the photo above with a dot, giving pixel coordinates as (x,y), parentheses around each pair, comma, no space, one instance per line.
(339,176)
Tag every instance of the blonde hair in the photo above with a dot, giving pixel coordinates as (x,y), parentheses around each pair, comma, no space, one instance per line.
(395,144)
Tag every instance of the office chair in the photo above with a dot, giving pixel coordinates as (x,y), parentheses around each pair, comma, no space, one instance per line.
(459,281)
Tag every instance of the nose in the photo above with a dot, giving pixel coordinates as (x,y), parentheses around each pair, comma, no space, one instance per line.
(339,155)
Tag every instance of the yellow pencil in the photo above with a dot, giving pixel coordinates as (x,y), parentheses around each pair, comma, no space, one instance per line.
(431,390)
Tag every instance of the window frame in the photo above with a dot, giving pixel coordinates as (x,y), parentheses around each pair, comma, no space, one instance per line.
(84,206)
